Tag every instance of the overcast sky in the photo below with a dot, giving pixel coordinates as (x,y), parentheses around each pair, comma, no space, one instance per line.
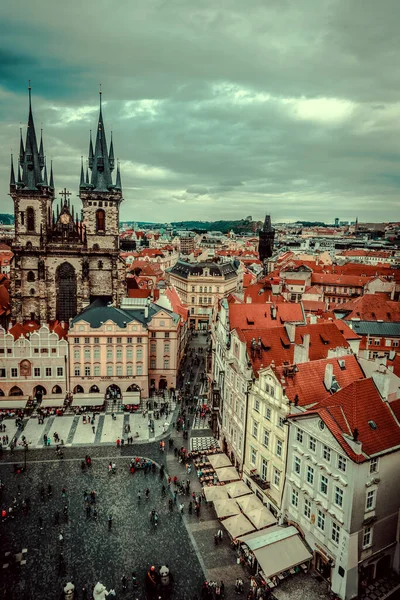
(218,109)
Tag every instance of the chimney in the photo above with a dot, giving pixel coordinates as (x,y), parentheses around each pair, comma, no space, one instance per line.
(313,319)
(291,331)
(273,312)
(146,312)
(381,379)
(306,344)
(328,376)
(301,351)
(248,300)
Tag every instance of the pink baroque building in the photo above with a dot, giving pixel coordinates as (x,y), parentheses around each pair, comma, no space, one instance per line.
(131,350)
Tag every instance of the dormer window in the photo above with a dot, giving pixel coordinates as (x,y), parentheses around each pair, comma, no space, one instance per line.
(100,221)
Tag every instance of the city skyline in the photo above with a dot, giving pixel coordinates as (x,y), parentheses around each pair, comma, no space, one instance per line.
(286,110)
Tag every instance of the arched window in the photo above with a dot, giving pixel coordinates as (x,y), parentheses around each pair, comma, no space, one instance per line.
(28,245)
(78,389)
(94,389)
(30,219)
(56,390)
(100,220)
(1,392)
(66,292)
(16,391)
(96,247)
(31,276)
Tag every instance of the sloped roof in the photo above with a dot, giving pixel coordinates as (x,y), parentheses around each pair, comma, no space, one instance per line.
(308,381)
(258,316)
(371,307)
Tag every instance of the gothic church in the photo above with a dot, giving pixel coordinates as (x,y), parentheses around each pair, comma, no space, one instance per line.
(63,262)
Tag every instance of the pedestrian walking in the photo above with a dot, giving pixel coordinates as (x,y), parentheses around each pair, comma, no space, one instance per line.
(110,520)
(147,494)
(56,518)
(139,496)
(94,428)
(63,493)
(220,535)
(181,507)
(190,508)
(170,505)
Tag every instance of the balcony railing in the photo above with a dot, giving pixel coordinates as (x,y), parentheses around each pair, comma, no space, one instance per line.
(264,485)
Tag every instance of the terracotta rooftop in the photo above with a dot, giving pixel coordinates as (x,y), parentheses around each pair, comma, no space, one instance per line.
(258,316)
(370,307)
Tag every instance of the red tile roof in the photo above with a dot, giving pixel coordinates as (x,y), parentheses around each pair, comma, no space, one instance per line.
(307,383)
(339,280)
(357,407)
(258,316)
(313,306)
(371,307)
(295,282)
(276,346)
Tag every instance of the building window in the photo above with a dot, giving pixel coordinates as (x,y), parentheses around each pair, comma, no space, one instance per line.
(268,413)
(139,353)
(129,353)
(166,364)
(153,334)
(119,340)
(153,348)
(87,340)
(109,354)
(338,496)
(48,372)
(335,533)
(14,372)
(321,521)
(96,354)
(109,370)
(310,475)
(307,508)
(166,334)
(87,371)
(109,340)
(264,469)
(312,443)
(295,498)
(373,465)
(30,219)
(281,422)
(326,453)
(100,221)
(77,340)
(370,500)
(367,537)
(139,339)
(279,446)
(255,429)
(266,438)
(166,348)
(97,371)
(256,405)
(77,372)
(60,371)
(97,340)
(129,340)
(129,370)
(323,487)
(139,370)
(342,463)
(299,435)
(152,363)
(297,465)
(277,477)
(87,353)
(119,353)
(119,370)
(253,456)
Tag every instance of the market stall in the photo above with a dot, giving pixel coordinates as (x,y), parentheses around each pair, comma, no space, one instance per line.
(215,492)
(52,401)
(131,401)
(279,551)
(12,403)
(218,461)
(238,525)
(92,401)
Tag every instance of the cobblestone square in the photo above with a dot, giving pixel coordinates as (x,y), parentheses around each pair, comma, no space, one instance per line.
(91,551)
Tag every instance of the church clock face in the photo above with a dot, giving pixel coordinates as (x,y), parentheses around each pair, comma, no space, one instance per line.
(65,219)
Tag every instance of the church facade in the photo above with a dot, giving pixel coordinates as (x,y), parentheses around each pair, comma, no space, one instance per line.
(62,260)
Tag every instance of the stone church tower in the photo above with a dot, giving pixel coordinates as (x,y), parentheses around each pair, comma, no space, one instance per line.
(266,240)
(62,263)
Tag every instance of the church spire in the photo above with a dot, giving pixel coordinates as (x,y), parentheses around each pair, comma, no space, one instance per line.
(87,174)
(90,151)
(21,148)
(51,176)
(118,181)
(12,175)
(82,182)
(41,153)
(45,180)
(31,167)
(101,172)
(111,154)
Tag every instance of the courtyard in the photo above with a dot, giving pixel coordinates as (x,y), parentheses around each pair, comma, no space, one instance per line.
(91,551)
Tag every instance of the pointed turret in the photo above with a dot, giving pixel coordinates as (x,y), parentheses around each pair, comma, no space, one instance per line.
(31,166)
(45,180)
(266,240)
(101,172)
(90,151)
(82,182)
(87,175)
(111,154)
(267,223)
(21,148)
(12,175)
(41,153)
(51,176)
(118,181)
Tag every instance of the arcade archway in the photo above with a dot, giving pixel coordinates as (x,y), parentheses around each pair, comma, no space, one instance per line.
(56,390)
(78,389)
(38,392)
(113,392)
(94,390)
(16,391)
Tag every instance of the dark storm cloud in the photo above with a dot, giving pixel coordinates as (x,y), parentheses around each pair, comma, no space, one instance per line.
(285,107)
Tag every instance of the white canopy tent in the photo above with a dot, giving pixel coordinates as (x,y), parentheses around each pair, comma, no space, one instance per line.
(218,461)
(215,492)
(249,503)
(52,401)
(227,474)
(237,488)
(238,525)
(226,508)
(131,398)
